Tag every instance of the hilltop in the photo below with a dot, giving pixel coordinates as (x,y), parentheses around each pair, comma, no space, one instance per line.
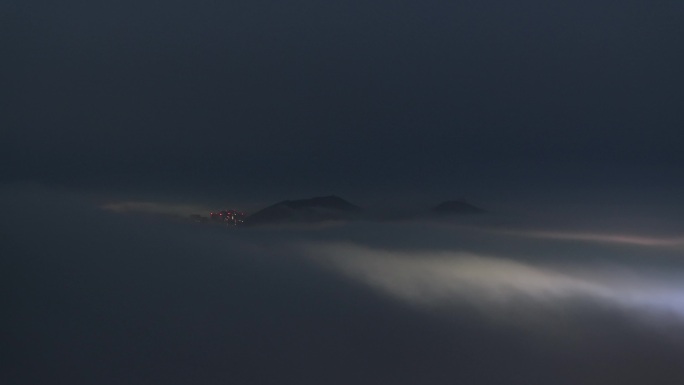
(317,209)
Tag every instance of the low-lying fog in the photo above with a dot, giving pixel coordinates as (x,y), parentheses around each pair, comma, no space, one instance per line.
(93,296)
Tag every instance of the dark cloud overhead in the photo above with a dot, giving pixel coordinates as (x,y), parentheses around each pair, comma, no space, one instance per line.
(432,92)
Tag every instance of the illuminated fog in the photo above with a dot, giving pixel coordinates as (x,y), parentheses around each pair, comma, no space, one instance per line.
(111,297)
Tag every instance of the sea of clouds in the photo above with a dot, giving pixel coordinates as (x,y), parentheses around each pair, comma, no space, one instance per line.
(95,295)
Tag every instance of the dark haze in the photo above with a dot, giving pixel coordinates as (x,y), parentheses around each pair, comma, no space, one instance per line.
(561,119)
(262,101)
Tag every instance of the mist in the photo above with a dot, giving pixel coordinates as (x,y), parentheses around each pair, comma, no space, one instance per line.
(102,294)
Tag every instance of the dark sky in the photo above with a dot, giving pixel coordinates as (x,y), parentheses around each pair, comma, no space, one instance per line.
(481,99)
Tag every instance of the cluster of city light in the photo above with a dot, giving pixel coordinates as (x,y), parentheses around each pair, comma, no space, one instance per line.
(233,217)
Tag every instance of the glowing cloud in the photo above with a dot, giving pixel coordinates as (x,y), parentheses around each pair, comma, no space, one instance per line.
(626,239)
(440,278)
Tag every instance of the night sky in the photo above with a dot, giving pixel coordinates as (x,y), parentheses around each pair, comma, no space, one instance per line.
(563,119)
(483,99)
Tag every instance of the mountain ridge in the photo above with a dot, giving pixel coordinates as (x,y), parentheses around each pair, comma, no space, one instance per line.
(316,209)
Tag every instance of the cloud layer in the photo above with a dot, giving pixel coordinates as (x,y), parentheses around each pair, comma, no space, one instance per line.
(95,297)
(494,282)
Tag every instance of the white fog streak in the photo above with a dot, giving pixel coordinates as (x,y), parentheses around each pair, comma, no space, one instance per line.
(489,281)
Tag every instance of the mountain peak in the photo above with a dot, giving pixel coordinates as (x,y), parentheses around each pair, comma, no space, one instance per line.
(316,209)
(326,202)
(456,208)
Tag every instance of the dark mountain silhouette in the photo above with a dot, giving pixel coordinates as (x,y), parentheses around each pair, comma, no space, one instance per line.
(318,209)
(449,208)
